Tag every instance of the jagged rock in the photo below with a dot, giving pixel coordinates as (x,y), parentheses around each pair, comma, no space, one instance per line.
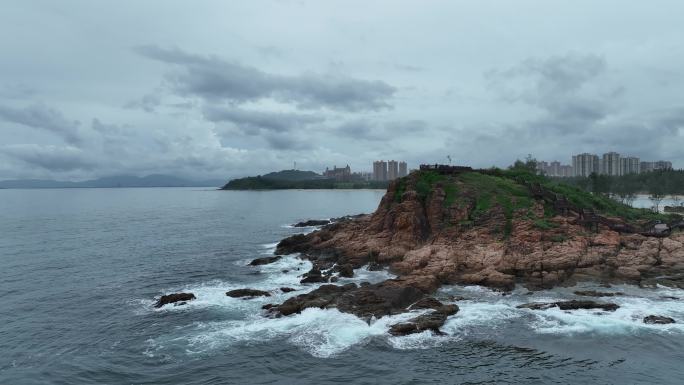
(319,298)
(431,321)
(570,305)
(297,243)
(378,300)
(312,222)
(374,266)
(593,293)
(247,293)
(287,289)
(314,276)
(268,306)
(345,270)
(658,319)
(173,298)
(264,260)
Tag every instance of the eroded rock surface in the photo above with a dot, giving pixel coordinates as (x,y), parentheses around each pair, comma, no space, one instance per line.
(174,298)
(457,243)
(570,305)
(473,229)
(238,293)
(659,320)
(265,260)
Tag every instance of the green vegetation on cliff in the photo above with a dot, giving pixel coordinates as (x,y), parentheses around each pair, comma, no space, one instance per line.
(510,191)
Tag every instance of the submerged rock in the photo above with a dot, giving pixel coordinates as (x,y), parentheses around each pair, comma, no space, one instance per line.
(593,293)
(287,289)
(247,293)
(570,305)
(264,260)
(312,222)
(172,298)
(658,320)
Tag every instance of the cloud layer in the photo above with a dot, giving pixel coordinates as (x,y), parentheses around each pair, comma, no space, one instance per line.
(219,90)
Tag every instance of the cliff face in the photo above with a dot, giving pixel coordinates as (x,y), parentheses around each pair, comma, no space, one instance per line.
(473,228)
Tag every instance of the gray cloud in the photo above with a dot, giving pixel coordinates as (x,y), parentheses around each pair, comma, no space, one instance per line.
(147,103)
(42,117)
(267,83)
(214,79)
(49,157)
(253,122)
(365,129)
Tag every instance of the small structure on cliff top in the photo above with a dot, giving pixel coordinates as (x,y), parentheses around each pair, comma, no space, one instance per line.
(445,169)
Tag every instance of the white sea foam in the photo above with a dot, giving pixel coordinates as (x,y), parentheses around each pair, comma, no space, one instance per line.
(321,333)
(628,319)
(325,333)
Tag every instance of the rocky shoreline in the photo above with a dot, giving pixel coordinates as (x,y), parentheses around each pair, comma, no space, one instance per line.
(444,234)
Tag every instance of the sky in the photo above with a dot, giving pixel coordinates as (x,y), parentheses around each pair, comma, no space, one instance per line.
(222,89)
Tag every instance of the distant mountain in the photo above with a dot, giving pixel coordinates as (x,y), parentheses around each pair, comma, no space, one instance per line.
(113,181)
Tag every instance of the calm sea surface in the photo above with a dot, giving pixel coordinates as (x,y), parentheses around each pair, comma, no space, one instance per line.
(80,269)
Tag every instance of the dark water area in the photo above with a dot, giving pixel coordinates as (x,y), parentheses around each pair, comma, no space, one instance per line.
(81,268)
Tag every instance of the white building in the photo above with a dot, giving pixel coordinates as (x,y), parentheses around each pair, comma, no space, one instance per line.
(611,164)
(585,164)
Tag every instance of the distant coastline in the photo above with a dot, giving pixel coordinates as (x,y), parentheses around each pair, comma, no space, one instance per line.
(124,181)
(300,180)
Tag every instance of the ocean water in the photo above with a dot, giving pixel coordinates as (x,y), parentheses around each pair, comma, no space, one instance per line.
(81,269)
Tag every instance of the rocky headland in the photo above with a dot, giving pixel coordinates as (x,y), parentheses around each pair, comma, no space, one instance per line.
(492,228)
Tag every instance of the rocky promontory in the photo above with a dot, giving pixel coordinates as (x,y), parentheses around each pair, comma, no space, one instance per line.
(492,228)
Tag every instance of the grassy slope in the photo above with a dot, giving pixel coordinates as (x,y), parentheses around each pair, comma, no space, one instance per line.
(506,189)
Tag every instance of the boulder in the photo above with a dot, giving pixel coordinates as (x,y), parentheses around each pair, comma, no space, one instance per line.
(264,260)
(658,320)
(312,222)
(319,298)
(238,293)
(314,276)
(173,298)
(430,321)
(287,289)
(346,270)
(570,305)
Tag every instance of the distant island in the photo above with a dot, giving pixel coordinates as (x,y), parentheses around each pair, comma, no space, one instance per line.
(296,179)
(155,180)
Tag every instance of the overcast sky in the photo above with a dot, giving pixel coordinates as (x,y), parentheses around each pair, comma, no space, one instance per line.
(216,89)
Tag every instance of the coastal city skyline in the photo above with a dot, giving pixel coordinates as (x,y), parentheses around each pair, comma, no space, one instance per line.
(609,163)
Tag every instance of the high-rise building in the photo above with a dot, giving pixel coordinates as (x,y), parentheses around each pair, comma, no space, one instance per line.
(629,165)
(655,166)
(585,164)
(403,169)
(662,165)
(392,169)
(566,171)
(380,170)
(611,164)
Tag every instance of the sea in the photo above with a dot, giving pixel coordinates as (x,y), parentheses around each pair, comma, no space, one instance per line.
(80,270)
